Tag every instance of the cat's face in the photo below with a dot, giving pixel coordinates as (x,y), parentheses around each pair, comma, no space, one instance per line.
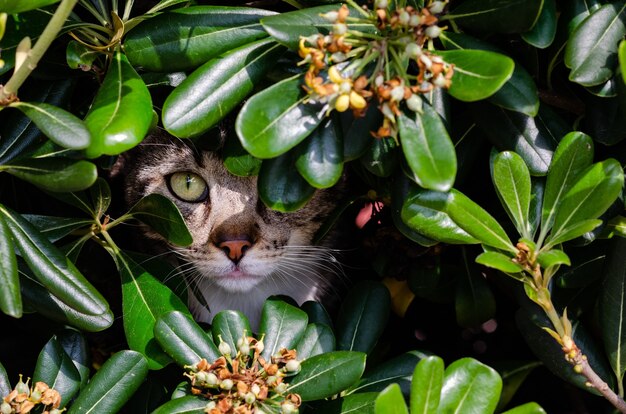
(239,245)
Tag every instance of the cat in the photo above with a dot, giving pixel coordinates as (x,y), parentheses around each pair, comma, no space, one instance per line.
(242,251)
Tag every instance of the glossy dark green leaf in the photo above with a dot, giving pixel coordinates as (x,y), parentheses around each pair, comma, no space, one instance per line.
(514,373)
(397,370)
(121,113)
(363,316)
(595,189)
(511,179)
(280,185)
(518,94)
(605,119)
(55,228)
(528,408)
(591,51)
(401,187)
(287,28)
(470,386)
(183,339)
(317,313)
(94,201)
(162,215)
(52,268)
(381,157)
(517,132)
(150,395)
(361,403)
(426,385)
(113,385)
(317,339)
(477,222)
(499,261)
(621,54)
(55,174)
(612,310)
(230,326)
(542,34)
(5,385)
(189,404)
(77,349)
(327,374)
(282,324)
(56,369)
(428,149)
(144,299)
(390,401)
(41,300)
(210,92)
(10,298)
(474,303)
(478,74)
(357,136)
(186,38)
(19,6)
(276,119)
(320,156)
(424,212)
(499,16)
(62,127)
(572,156)
(237,160)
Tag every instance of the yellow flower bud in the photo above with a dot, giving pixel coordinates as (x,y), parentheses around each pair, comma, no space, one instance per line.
(342,103)
(334,75)
(357,101)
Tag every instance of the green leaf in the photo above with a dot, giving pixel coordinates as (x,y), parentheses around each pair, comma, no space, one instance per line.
(426,385)
(470,386)
(317,313)
(320,157)
(276,119)
(183,339)
(621,52)
(51,268)
(317,339)
(397,370)
(528,408)
(162,215)
(189,404)
(42,301)
(144,299)
(19,6)
(210,92)
(230,326)
(571,232)
(56,369)
(121,113)
(474,302)
(595,189)
(542,34)
(477,222)
(514,374)
(512,181)
(186,38)
(425,212)
(574,154)
(62,127)
(613,307)
(237,160)
(280,185)
(10,298)
(356,131)
(55,228)
(518,94)
(79,56)
(428,149)
(5,385)
(95,201)
(55,174)
(77,349)
(499,261)
(390,401)
(478,74)
(282,324)
(381,157)
(401,187)
(287,28)
(114,383)
(363,316)
(361,403)
(591,51)
(553,257)
(497,16)
(327,374)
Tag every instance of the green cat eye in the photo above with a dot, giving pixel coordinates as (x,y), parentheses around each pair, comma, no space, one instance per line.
(188,187)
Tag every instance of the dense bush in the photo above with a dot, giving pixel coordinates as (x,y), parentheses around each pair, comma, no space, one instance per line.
(486,137)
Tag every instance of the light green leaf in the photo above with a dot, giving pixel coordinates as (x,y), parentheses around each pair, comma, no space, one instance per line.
(55,174)
(470,386)
(390,401)
(162,215)
(426,385)
(282,326)
(511,178)
(499,261)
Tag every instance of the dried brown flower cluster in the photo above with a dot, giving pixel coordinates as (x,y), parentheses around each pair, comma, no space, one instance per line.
(347,68)
(246,383)
(23,399)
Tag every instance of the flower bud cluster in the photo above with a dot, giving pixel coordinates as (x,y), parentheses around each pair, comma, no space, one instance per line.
(24,399)
(349,69)
(244,382)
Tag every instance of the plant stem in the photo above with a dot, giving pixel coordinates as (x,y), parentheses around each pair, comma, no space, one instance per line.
(35,54)
(596,382)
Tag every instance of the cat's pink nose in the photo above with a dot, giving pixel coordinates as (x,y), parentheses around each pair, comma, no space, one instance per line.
(235,249)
